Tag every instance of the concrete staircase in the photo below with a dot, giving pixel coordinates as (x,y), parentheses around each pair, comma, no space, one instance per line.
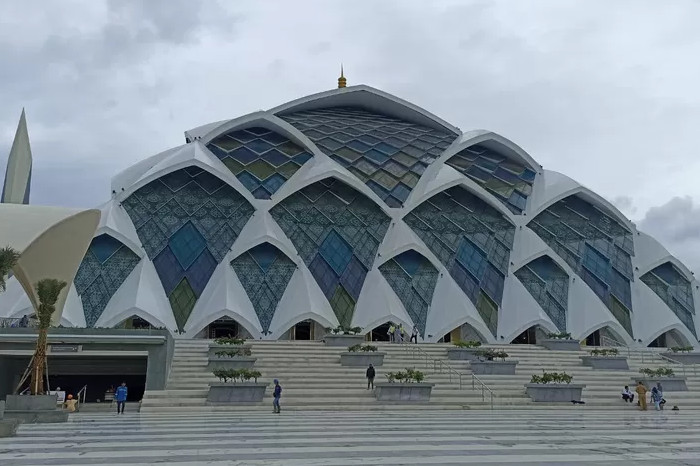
(313,379)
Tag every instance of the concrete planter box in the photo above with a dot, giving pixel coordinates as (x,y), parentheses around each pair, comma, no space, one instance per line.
(669,384)
(362,359)
(556,344)
(236,362)
(683,358)
(554,392)
(493,367)
(232,393)
(34,409)
(406,392)
(606,362)
(463,354)
(343,340)
(213,348)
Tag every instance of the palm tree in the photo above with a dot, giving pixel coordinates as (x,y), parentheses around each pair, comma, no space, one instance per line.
(48,290)
(8,259)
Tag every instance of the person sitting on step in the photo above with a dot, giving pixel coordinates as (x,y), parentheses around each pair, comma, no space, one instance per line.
(627,395)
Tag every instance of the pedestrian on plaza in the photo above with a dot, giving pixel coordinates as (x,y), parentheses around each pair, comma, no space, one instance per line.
(660,389)
(642,393)
(656,398)
(277,394)
(391,332)
(370,376)
(627,395)
(120,396)
(414,335)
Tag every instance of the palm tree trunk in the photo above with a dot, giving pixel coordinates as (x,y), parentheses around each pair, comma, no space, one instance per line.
(39,363)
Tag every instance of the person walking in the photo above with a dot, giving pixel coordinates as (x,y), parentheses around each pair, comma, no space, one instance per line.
(642,393)
(120,396)
(414,335)
(391,332)
(370,376)
(277,394)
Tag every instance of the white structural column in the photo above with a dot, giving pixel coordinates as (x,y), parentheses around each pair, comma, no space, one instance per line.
(18,176)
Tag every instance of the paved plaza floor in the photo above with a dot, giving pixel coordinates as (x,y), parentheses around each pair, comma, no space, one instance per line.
(533,437)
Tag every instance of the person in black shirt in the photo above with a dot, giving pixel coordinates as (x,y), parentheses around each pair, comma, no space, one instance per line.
(370,376)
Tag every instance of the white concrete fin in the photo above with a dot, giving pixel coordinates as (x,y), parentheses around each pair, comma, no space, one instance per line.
(520,311)
(73,309)
(262,228)
(378,304)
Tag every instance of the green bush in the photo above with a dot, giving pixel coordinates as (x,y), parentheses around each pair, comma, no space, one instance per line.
(551,377)
(236,375)
(467,344)
(407,376)
(233,353)
(229,341)
(660,372)
(362,348)
(559,336)
(605,352)
(491,354)
(682,349)
(342,330)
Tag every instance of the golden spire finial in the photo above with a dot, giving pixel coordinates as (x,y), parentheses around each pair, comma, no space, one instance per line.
(342,82)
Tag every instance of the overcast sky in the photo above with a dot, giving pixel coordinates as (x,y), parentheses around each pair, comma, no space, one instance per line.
(603,91)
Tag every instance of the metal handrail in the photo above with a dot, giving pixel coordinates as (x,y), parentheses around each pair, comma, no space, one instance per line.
(607,341)
(683,366)
(84,392)
(438,366)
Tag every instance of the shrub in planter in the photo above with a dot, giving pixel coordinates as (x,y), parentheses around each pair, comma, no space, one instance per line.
(657,373)
(234,353)
(343,336)
(463,350)
(561,342)
(491,354)
(467,344)
(362,356)
(681,349)
(237,358)
(235,386)
(559,336)
(407,376)
(666,376)
(492,362)
(405,385)
(229,341)
(342,330)
(362,348)
(553,387)
(605,358)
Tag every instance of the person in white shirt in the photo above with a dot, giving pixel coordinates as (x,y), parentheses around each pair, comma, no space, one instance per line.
(627,395)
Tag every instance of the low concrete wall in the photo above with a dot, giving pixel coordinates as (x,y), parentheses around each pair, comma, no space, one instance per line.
(406,392)
(228,393)
(463,354)
(33,409)
(669,384)
(553,393)
(361,359)
(683,358)
(8,427)
(493,367)
(236,362)
(343,340)
(606,362)
(556,344)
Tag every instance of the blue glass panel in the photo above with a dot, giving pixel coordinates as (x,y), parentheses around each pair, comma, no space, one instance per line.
(675,290)
(353,278)
(274,182)
(209,182)
(376,156)
(471,258)
(528,175)
(176,180)
(401,192)
(243,155)
(265,255)
(200,272)
(549,285)
(248,180)
(259,146)
(410,261)
(302,158)
(261,193)
(325,276)
(275,157)
(104,246)
(243,136)
(336,251)
(187,244)
(169,270)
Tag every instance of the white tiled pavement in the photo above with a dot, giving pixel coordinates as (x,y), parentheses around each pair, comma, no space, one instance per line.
(523,437)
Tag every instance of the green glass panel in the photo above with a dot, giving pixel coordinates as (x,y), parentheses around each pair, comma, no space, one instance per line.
(288,169)
(488,311)
(385,180)
(365,167)
(459,162)
(233,165)
(512,167)
(227,144)
(621,314)
(395,169)
(405,159)
(290,148)
(182,301)
(348,154)
(261,169)
(410,179)
(499,187)
(343,306)
(358,174)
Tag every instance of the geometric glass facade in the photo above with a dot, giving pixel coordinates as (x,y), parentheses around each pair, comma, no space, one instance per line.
(549,285)
(596,246)
(336,230)
(261,159)
(104,268)
(413,279)
(675,290)
(473,240)
(510,181)
(187,220)
(385,153)
(264,272)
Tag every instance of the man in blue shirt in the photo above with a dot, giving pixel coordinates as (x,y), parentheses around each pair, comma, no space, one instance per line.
(120,395)
(276,397)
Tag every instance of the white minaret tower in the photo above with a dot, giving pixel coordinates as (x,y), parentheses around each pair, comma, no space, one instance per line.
(18,176)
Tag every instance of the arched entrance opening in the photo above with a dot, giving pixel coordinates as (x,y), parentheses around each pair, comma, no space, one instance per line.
(464,332)
(134,322)
(380,333)
(530,336)
(670,339)
(305,330)
(604,336)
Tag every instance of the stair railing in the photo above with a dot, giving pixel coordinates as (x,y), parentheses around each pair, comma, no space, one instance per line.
(440,366)
(647,354)
(83,392)
(683,366)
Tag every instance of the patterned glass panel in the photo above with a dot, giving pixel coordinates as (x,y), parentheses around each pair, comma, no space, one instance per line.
(413,279)
(549,285)
(336,231)
(473,240)
(675,290)
(596,246)
(261,159)
(508,180)
(271,270)
(381,151)
(104,268)
(187,221)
